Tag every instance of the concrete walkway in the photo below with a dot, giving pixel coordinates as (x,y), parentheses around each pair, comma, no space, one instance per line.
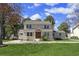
(22,42)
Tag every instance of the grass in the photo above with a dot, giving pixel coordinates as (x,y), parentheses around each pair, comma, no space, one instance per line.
(53,49)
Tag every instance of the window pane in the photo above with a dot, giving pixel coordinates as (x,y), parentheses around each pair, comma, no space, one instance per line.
(60,34)
(44,26)
(29,26)
(27,33)
(47,26)
(30,33)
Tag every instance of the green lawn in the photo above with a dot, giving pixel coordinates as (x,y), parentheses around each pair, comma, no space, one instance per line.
(53,49)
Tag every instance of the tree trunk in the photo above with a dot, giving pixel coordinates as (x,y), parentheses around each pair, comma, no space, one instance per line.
(1,43)
(3,26)
(15,32)
(2,29)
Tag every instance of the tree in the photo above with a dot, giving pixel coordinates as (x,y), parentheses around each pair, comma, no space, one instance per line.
(14,22)
(8,31)
(50,19)
(14,18)
(4,11)
(63,27)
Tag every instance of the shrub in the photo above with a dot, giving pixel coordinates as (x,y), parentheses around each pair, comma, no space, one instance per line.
(74,37)
(45,38)
(57,38)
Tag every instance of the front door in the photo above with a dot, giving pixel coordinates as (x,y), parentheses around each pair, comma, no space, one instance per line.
(38,35)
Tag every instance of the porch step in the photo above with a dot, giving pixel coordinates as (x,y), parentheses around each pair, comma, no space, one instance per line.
(37,40)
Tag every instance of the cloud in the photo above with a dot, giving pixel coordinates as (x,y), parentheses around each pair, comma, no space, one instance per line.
(60,10)
(47,13)
(29,7)
(73,5)
(35,16)
(36,4)
(71,15)
(51,4)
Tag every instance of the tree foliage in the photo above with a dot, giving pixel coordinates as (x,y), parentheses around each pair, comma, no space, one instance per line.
(9,18)
(5,9)
(63,27)
(50,19)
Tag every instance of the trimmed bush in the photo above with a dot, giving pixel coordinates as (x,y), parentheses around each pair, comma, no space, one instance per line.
(45,38)
(74,37)
(58,39)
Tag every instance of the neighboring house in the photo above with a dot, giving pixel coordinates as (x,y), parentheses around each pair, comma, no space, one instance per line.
(35,29)
(59,35)
(75,31)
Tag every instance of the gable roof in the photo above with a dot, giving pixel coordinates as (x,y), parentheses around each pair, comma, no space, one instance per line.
(75,26)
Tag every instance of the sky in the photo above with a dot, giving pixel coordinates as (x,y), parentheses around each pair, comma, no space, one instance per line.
(59,11)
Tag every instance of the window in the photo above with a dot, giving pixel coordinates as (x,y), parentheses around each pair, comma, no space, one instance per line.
(29,33)
(60,34)
(46,33)
(53,34)
(46,26)
(29,26)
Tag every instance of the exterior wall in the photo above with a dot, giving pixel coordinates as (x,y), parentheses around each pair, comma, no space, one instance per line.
(50,33)
(23,36)
(35,25)
(30,38)
(61,35)
(38,24)
(76,32)
(70,35)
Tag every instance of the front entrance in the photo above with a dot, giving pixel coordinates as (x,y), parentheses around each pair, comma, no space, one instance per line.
(38,33)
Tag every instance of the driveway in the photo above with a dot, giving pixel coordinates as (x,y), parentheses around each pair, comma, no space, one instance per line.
(22,42)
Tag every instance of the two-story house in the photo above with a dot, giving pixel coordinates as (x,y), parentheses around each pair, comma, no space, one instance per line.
(35,29)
